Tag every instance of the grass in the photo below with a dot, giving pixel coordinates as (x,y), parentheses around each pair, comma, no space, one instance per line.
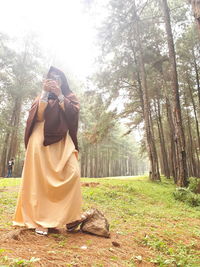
(145,212)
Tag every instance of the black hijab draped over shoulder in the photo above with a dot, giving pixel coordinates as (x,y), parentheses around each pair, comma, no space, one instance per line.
(57,121)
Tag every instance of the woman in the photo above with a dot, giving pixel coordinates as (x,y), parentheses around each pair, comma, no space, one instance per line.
(50,193)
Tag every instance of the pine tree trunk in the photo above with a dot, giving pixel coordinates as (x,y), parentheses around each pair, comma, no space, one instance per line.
(166,171)
(10,148)
(86,163)
(196,12)
(154,171)
(172,153)
(14,131)
(195,112)
(192,165)
(4,153)
(180,137)
(198,162)
(197,76)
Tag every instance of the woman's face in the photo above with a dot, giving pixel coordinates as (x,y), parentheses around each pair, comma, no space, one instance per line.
(54,76)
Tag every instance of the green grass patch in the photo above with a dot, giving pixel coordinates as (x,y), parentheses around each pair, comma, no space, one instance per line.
(7,261)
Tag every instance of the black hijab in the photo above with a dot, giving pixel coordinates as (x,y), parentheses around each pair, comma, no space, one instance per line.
(64,84)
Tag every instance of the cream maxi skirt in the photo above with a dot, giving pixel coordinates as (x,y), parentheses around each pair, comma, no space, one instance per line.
(50,192)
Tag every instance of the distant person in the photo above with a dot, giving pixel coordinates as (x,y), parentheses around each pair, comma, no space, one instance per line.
(10,167)
(50,194)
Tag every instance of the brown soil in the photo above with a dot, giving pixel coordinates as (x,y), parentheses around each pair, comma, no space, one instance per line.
(92,184)
(62,248)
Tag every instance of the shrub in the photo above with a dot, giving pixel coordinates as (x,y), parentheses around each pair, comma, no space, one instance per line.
(194,184)
(187,196)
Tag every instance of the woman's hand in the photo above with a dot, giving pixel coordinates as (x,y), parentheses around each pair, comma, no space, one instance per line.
(52,86)
(55,88)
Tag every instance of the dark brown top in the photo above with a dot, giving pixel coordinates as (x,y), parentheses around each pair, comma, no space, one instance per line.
(56,120)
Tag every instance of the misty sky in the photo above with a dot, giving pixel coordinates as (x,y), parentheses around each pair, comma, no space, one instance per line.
(64,28)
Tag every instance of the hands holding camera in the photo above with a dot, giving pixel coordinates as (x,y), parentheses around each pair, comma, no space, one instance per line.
(52,86)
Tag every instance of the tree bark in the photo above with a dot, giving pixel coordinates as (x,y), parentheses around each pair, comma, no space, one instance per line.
(152,153)
(4,153)
(197,75)
(195,112)
(162,140)
(196,11)
(180,137)
(14,131)
(192,170)
(172,153)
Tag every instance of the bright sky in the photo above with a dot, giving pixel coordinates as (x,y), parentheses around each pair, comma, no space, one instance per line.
(66,31)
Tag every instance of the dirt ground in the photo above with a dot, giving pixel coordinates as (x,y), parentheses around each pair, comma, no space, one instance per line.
(159,238)
(62,248)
